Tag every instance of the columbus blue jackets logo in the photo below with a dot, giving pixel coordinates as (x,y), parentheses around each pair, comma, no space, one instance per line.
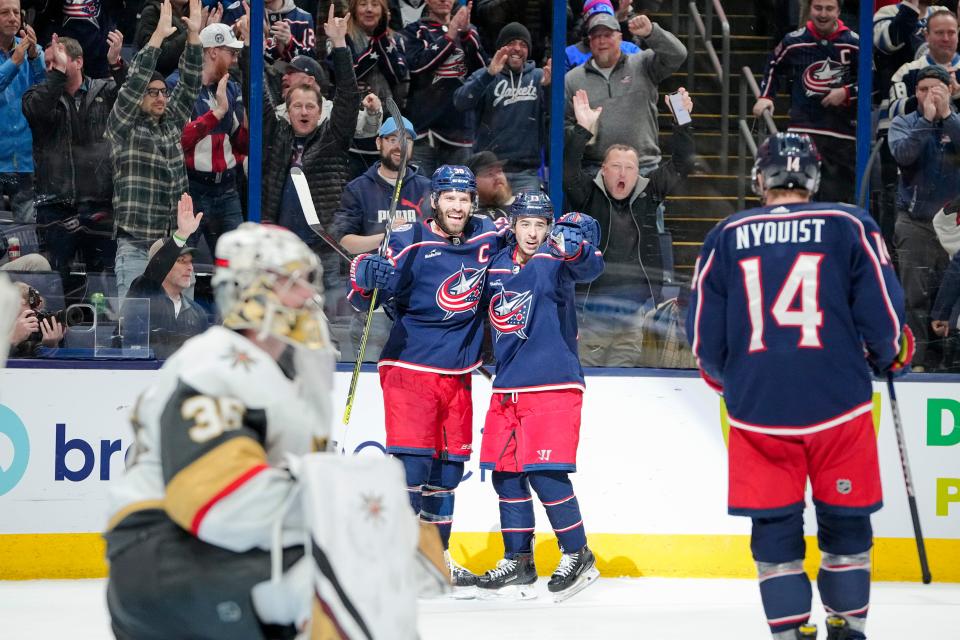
(460,292)
(510,312)
(822,76)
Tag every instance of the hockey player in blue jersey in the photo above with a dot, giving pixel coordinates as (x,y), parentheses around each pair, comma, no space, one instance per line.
(533,423)
(431,279)
(787,299)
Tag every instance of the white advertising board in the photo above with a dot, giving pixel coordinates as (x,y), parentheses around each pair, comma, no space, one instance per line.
(651,459)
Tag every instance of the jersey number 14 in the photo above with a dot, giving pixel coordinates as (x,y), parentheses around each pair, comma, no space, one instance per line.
(797,304)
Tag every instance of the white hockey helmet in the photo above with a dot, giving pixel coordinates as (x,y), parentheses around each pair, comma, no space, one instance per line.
(253,264)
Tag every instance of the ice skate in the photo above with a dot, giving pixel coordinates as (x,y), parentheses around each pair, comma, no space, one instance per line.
(575,572)
(464,582)
(806,631)
(837,628)
(514,578)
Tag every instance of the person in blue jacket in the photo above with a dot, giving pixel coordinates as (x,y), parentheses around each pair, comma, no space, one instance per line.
(21,67)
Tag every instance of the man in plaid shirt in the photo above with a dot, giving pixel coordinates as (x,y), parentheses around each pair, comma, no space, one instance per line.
(144,130)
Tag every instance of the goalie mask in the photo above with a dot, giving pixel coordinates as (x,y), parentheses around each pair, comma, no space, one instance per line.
(256,264)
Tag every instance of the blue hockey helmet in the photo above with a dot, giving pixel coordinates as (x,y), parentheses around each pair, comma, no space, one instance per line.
(453,178)
(531,205)
(786,161)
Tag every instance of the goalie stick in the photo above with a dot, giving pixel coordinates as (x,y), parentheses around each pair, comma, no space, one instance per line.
(310,212)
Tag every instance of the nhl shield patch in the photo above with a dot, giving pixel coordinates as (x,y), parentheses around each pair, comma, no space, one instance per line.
(844,486)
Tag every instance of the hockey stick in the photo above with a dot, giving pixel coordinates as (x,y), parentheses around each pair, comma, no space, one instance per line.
(908,480)
(310,212)
(402,171)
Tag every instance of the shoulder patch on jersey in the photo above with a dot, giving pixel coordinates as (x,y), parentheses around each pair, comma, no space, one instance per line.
(402,228)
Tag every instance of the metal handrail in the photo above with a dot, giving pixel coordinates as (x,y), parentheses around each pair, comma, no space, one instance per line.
(697,25)
(746,142)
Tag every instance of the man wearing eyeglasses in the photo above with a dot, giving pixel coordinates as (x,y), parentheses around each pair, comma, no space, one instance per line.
(624,85)
(144,131)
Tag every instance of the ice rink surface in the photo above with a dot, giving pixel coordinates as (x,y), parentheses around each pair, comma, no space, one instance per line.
(644,608)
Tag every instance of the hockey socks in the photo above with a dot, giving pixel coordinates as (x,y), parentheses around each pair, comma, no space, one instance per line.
(786,593)
(437,496)
(556,493)
(844,576)
(778,549)
(516,512)
(430,486)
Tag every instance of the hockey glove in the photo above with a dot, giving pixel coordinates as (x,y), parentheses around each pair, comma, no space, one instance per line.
(589,227)
(370,271)
(565,240)
(901,362)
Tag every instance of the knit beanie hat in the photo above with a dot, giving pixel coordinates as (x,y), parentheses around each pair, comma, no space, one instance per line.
(514,31)
(934,71)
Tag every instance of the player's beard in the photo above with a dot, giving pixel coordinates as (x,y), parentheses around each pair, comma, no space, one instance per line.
(441,220)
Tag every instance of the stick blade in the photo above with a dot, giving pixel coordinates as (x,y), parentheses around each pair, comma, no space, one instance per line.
(306,201)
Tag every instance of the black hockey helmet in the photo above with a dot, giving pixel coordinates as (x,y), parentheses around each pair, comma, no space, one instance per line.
(787,161)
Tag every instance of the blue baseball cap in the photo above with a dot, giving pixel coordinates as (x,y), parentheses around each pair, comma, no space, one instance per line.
(389,127)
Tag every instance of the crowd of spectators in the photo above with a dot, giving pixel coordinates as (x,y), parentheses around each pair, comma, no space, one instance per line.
(113,116)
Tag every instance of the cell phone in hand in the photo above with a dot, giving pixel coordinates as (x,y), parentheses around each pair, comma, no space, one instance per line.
(680,113)
(273,18)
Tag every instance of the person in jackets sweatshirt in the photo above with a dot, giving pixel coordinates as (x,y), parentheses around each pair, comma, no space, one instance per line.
(509,101)
(533,423)
(442,50)
(73,172)
(625,204)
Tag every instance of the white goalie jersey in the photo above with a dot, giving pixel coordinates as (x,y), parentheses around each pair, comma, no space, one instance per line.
(211,436)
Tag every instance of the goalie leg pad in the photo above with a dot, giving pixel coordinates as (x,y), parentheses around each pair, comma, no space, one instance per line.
(516,512)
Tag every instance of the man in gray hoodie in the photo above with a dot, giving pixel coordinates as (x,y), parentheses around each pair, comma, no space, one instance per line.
(624,86)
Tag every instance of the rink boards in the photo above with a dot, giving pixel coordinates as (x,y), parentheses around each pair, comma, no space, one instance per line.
(651,474)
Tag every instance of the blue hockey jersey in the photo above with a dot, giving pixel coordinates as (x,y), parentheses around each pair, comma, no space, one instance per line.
(811,66)
(534,320)
(785,300)
(436,298)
